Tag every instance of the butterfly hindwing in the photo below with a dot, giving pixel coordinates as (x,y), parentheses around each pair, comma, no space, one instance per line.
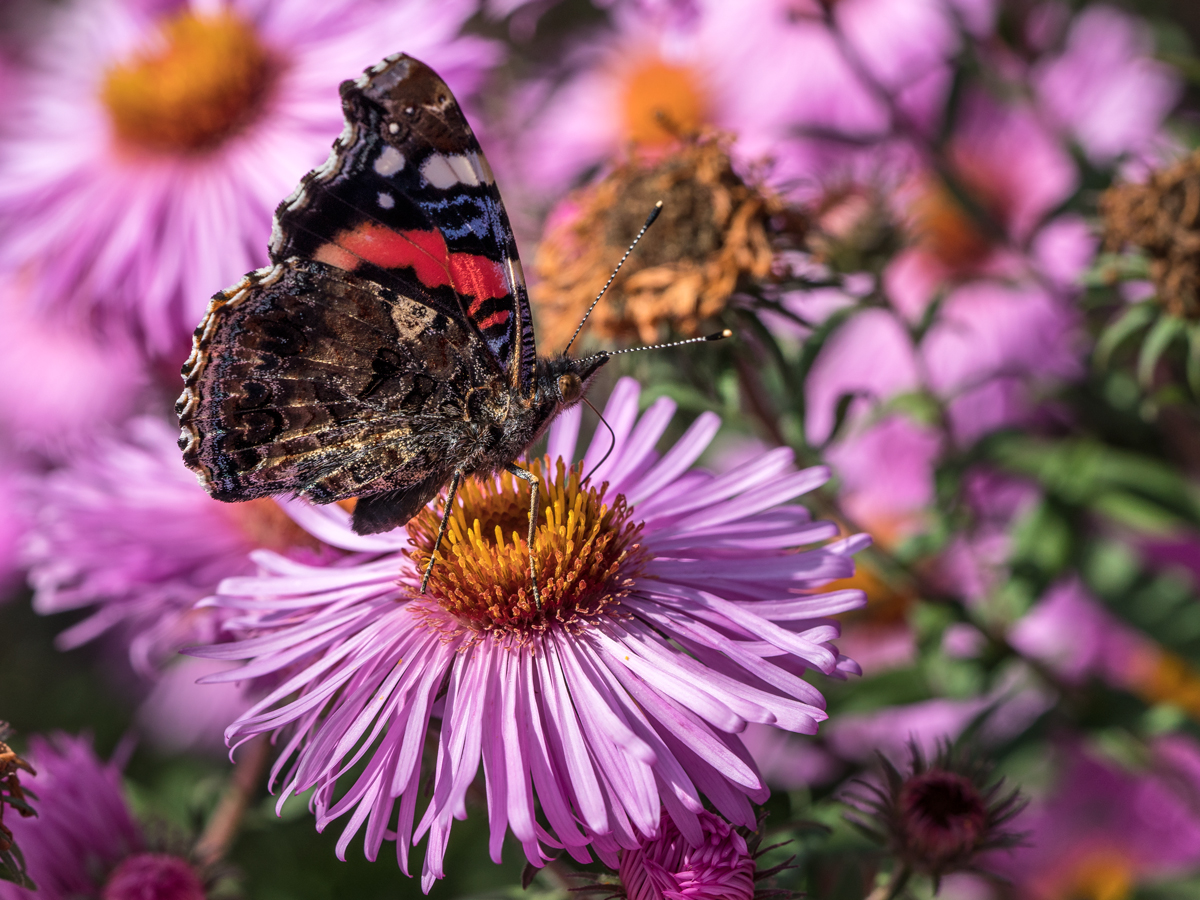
(307,379)
(407,196)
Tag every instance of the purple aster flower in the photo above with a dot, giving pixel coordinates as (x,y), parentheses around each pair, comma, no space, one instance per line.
(1072,633)
(764,71)
(13,522)
(126,531)
(84,841)
(157,139)
(1106,89)
(672,867)
(675,610)
(59,386)
(1102,829)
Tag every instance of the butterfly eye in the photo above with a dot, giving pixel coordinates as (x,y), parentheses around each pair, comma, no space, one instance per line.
(570,388)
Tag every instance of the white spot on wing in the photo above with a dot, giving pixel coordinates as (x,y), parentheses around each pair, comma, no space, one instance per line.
(463,169)
(386,200)
(480,164)
(389,161)
(437,171)
(393,127)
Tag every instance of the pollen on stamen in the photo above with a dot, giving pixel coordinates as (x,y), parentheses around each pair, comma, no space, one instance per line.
(586,551)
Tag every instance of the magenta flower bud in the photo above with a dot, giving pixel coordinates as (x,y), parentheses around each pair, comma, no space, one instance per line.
(153,876)
(720,867)
(941,816)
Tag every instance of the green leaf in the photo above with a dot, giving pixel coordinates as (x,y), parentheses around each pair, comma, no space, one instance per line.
(1128,323)
(1137,513)
(1080,471)
(1162,333)
(1193,359)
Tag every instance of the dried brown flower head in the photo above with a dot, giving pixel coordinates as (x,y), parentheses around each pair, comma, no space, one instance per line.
(1162,218)
(714,232)
(12,866)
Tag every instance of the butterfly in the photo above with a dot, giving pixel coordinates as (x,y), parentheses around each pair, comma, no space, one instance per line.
(388,348)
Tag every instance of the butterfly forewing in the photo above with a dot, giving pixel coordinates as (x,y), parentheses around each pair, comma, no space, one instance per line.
(407,196)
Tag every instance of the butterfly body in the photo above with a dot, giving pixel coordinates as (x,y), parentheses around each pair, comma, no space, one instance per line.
(389,347)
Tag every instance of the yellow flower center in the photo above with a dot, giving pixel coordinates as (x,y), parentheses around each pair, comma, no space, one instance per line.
(661,102)
(1100,876)
(203,81)
(586,553)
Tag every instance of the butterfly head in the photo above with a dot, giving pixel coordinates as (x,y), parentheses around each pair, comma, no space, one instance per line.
(563,380)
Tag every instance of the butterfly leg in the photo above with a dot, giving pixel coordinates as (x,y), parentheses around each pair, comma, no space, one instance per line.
(437,542)
(534,483)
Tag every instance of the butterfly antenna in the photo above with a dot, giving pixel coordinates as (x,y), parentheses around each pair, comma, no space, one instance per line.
(649,221)
(612,437)
(715,336)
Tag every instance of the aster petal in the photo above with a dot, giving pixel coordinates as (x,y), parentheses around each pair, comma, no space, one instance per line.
(638,453)
(620,412)
(676,460)
(769,466)
(564,433)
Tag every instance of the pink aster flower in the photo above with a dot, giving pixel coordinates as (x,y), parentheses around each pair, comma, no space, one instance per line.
(13,522)
(672,867)
(84,841)
(1074,635)
(157,139)
(58,384)
(675,610)
(765,71)
(1103,829)
(126,531)
(1106,89)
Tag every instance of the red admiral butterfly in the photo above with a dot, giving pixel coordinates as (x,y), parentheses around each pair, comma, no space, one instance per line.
(388,348)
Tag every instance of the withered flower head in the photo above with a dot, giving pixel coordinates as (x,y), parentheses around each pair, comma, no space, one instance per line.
(1162,218)
(12,867)
(714,232)
(939,817)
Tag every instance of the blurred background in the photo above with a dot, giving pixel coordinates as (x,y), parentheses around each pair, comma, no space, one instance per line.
(958,242)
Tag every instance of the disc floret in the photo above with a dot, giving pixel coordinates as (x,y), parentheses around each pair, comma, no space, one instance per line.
(586,552)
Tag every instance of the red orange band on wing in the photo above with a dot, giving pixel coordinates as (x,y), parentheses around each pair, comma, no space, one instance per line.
(424,251)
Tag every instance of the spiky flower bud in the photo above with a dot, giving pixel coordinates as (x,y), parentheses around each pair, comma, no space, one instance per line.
(940,816)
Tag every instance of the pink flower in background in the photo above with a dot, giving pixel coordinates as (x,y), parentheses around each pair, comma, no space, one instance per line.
(1106,89)
(59,385)
(767,71)
(84,841)
(974,561)
(671,866)
(993,348)
(157,139)
(13,522)
(1102,829)
(126,531)
(678,614)
(896,507)
(1072,633)
(181,715)
(875,335)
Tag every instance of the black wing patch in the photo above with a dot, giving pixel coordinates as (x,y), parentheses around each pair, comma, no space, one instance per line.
(407,192)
